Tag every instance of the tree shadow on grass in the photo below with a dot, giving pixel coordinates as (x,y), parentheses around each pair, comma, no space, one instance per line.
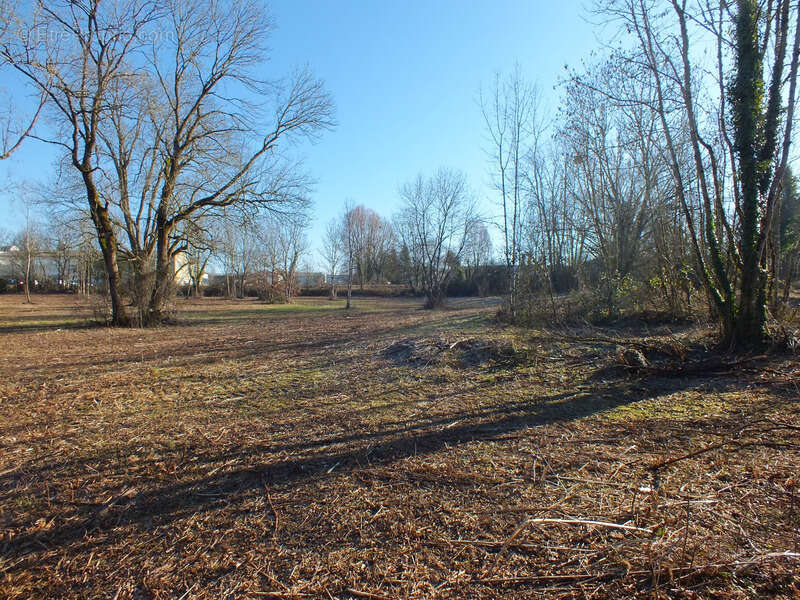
(56,325)
(201,351)
(253,469)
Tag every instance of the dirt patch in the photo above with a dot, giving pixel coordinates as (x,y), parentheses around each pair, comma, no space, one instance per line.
(463,353)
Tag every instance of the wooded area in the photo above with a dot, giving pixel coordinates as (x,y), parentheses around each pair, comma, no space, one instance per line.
(666,174)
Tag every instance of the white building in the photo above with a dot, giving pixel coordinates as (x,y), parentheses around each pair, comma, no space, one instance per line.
(181,266)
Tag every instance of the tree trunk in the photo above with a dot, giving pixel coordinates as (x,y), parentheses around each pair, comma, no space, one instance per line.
(28,275)
(163,272)
(512,290)
(108,246)
(349,286)
(750,319)
(434,299)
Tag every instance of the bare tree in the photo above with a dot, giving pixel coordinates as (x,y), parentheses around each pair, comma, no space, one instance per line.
(29,244)
(283,243)
(618,174)
(151,125)
(199,242)
(332,251)
(556,228)
(513,126)
(202,149)
(78,235)
(293,245)
(62,248)
(237,249)
(96,41)
(434,223)
(477,253)
(14,130)
(372,239)
(737,122)
(349,243)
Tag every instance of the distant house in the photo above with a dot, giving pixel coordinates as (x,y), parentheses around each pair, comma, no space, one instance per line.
(338,279)
(180,264)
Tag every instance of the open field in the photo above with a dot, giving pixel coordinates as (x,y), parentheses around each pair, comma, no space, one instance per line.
(302,451)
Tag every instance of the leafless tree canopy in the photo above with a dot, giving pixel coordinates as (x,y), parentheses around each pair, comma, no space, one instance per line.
(164,113)
(667,172)
(332,253)
(435,223)
(513,124)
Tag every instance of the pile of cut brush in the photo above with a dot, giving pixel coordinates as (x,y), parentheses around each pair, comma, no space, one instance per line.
(658,358)
(463,353)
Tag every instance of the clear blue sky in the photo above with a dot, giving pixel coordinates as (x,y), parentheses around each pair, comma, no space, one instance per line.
(405,76)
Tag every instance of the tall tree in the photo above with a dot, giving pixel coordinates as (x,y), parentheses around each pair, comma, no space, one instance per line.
(29,244)
(372,240)
(237,250)
(349,237)
(513,126)
(617,171)
(283,243)
(164,113)
(96,42)
(199,148)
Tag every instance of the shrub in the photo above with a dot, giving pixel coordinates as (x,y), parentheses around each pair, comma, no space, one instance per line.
(382,290)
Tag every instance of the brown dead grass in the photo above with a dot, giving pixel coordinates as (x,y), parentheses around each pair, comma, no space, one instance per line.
(259,452)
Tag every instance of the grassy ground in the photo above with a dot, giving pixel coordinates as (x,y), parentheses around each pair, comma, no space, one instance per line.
(303,451)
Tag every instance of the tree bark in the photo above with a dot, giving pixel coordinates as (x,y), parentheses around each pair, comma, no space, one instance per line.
(349,275)
(108,246)
(746,94)
(163,272)
(28,274)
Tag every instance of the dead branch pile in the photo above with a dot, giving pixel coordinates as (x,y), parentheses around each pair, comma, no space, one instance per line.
(466,352)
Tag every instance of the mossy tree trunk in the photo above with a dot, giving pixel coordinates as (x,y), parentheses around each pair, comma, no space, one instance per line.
(746,101)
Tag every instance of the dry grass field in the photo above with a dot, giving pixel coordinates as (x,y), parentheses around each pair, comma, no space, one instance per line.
(303,451)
